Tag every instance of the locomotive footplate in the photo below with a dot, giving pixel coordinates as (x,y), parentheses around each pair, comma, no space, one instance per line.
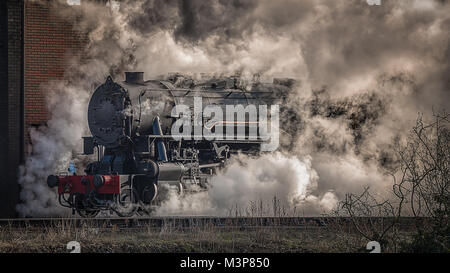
(83,184)
(89,194)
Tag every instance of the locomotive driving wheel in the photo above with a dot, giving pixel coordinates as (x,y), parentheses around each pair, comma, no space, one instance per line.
(126,202)
(87,213)
(148,194)
(82,209)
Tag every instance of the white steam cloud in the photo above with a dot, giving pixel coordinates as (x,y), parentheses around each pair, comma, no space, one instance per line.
(279,180)
(53,147)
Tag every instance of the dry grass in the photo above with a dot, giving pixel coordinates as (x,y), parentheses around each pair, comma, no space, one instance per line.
(171,238)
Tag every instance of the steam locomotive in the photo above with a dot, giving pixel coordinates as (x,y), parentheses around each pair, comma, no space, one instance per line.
(137,157)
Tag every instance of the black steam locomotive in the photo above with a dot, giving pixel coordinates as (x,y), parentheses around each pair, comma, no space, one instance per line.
(136,152)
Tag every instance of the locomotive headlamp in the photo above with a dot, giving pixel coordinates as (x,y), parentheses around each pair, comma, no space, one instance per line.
(98,181)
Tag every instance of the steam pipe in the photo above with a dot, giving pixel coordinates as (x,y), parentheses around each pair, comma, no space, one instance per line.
(162,154)
(212,165)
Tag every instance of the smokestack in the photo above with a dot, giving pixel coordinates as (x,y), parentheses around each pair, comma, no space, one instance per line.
(134,77)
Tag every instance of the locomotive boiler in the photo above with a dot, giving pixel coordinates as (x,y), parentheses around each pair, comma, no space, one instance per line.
(137,157)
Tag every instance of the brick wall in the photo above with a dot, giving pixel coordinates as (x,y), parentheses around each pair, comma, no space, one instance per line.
(49,41)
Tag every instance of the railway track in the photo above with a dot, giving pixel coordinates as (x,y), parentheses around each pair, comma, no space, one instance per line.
(181,222)
(158,222)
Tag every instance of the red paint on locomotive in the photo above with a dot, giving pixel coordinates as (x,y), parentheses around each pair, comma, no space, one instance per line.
(73,184)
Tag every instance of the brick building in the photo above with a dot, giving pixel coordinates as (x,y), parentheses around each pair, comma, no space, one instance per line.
(48,43)
(34,46)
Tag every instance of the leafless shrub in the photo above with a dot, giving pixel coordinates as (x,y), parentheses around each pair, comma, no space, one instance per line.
(425,168)
(424,164)
(371,218)
(420,188)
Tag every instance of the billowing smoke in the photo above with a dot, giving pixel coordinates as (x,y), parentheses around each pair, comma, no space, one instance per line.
(272,184)
(53,147)
(364,72)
